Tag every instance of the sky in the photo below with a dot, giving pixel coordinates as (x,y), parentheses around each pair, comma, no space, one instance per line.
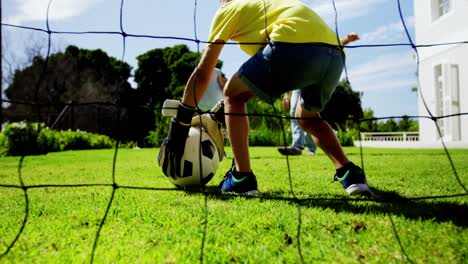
(384,75)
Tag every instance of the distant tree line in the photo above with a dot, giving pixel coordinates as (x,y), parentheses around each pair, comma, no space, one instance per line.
(88,90)
(370,123)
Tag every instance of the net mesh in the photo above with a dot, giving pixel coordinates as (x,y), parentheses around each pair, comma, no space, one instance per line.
(115,186)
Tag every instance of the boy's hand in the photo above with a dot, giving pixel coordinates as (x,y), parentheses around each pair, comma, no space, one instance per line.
(173,146)
(217,113)
(353,37)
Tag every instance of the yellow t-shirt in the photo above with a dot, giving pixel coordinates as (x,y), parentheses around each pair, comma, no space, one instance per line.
(292,21)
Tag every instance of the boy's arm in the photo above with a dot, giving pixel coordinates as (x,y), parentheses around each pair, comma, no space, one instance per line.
(201,76)
(172,148)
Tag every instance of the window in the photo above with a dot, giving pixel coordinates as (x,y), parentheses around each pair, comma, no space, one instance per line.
(455,102)
(440,8)
(439,96)
(444,7)
(447,100)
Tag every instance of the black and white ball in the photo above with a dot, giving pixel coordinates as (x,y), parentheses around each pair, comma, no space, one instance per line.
(197,150)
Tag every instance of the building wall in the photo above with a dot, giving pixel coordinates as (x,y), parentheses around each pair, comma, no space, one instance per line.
(451,27)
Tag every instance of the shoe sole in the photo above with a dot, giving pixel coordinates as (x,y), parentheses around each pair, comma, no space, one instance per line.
(359,188)
(286,152)
(249,193)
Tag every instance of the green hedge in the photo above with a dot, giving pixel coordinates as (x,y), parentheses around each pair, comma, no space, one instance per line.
(347,137)
(24,138)
(3,150)
(263,136)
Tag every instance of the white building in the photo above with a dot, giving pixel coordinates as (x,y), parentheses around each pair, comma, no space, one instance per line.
(443,69)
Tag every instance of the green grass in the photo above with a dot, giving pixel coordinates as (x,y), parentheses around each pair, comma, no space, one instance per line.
(416,217)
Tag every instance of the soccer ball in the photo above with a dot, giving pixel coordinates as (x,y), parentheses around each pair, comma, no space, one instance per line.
(197,152)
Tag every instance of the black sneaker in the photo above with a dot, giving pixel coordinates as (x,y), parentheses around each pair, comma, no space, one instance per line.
(290,150)
(244,186)
(354,180)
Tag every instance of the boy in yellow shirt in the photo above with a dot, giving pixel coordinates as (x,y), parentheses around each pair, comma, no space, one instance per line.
(291,48)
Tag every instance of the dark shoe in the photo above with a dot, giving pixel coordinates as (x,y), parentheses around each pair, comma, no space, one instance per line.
(354,180)
(290,150)
(244,186)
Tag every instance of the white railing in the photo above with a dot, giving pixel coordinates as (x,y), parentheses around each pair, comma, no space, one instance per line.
(390,136)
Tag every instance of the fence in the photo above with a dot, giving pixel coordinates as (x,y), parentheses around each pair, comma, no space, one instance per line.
(390,136)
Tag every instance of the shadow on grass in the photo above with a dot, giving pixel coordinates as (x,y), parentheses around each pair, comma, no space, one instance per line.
(435,208)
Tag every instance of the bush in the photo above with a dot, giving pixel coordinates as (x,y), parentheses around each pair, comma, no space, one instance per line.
(49,141)
(34,138)
(76,140)
(154,139)
(347,137)
(21,138)
(100,141)
(3,150)
(265,137)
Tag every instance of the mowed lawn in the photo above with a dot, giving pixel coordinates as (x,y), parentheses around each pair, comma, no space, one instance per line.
(80,206)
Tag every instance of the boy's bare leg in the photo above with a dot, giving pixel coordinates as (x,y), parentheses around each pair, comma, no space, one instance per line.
(236,95)
(323,135)
(351,177)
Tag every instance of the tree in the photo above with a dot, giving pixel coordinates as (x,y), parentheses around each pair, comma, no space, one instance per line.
(390,125)
(344,107)
(162,74)
(95,83)
(405,123)
(13,59)
(369,125)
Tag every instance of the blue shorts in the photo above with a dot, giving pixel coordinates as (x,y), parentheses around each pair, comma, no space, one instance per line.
(279,67)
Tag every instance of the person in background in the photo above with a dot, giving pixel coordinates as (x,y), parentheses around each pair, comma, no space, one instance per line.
(300,139)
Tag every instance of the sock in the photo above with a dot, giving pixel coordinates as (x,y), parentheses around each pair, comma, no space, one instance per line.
(240,175)
(341,171)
